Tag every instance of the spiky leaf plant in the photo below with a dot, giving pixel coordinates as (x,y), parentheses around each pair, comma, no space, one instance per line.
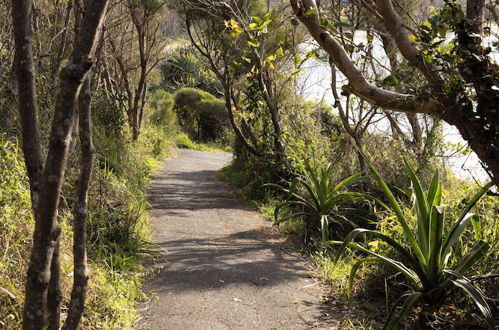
(426,262)
(316,197)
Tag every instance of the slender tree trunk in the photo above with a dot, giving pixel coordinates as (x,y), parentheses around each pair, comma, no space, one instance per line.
(28,107)
(54,293)
(80,282)
(47,230)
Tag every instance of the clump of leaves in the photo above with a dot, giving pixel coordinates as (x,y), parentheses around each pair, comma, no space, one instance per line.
(317,197)
(426,262)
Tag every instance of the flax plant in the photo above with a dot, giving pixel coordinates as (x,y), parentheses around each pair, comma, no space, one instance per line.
(317,197)
(426,262)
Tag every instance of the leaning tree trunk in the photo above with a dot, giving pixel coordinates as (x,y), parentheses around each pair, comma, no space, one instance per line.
(47,229)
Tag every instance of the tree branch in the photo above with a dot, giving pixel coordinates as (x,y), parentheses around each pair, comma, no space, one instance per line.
(360,86)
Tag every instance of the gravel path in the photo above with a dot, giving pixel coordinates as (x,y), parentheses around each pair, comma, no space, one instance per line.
(221,265)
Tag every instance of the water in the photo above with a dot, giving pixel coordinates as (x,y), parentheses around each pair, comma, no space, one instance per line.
(315,80)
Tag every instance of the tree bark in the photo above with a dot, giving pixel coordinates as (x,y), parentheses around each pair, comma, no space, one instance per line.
(54,293)
(28,105)
(80,281)
(474,14)
(46,226)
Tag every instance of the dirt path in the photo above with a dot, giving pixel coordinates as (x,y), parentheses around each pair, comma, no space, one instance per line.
(221,265)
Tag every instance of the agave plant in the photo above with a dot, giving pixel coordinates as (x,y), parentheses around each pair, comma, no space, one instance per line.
(316,196)
(426,262)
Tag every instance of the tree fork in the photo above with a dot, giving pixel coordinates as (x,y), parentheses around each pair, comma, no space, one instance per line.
(46,226)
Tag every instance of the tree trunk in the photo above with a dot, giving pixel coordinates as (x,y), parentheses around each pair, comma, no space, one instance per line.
(28,107)
(47,230)
(80,281)
(228,105)
(54,293)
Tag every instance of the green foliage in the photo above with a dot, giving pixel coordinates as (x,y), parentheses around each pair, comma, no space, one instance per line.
(117,224)
(184,69)
(426,260)
(162,122)
(201,115)
(466,59)
(160,109)
(108,118)
(317,197)
(15,231)
(183,141)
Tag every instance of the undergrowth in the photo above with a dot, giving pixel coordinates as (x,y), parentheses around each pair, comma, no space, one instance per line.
(376,288)
(117,228)
(183,141)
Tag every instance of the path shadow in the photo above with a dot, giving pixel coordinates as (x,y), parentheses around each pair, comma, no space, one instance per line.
(191,191)
(196,264)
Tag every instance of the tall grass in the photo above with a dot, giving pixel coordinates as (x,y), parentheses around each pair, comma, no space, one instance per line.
(117,225)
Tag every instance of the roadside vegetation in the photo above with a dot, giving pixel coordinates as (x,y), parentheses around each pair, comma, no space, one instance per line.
(95,94)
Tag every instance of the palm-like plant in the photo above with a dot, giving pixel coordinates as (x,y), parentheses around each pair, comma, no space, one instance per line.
(316,196)
(426,262)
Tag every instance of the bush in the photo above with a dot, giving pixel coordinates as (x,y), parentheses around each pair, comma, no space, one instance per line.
(184,69)
(317,199)
(428,259)
(201,115)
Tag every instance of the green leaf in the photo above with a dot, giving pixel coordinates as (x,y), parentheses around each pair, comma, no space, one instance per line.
(410,299)
(397,210)
(309,12)
(458,226)
(403,252)
(477,227)
(421,209)
(471,258)
(266,23)
(474,200)
(435,242)
(454,234)
(252,43)
(324,228)
(477,296)
(357,177)
(346,90)
(341,24)
(390,81)
(407,272)
(257,20)
(297,59)
(253,26)
(435,191)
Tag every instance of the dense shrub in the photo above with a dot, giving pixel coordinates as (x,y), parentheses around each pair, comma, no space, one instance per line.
(200,114)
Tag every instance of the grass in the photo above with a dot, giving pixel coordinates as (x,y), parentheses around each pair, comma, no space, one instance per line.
(118,228)
(183,141)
